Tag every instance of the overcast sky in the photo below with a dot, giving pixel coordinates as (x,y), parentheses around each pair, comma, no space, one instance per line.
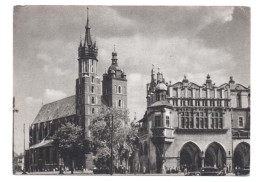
(192,41)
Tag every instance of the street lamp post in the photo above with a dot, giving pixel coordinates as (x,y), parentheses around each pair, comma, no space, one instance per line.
(14,111)
(112,128)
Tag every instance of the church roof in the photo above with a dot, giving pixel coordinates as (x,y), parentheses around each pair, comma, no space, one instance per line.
(43,143)
(58,109)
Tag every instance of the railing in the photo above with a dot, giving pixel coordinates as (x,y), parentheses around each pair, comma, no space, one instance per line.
(162,132)
(158,132)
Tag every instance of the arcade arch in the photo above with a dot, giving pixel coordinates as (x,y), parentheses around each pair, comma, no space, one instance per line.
(215,156)
(190,157)
(241,156)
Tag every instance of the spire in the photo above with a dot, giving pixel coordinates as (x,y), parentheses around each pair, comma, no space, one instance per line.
(87,19)
(88,40)
(80,41)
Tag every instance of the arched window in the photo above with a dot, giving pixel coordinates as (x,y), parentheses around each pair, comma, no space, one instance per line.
(92,79)
(119,89)
(167,121)
(240,122)
(93,111)
(182,122)
(92,89)
(157,97)
(238,100)
(119,103)
(93,100)
(157,122)
(248,100)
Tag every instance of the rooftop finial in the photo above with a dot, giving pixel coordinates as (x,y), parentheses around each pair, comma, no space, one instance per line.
(185,79)
(231,80)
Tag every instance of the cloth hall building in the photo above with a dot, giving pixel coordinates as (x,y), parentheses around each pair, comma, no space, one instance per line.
(190,125)
(89,96)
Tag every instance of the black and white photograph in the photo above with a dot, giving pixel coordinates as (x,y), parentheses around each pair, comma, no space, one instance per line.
(131,90)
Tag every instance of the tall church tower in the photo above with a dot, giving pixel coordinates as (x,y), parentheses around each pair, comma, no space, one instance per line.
(114,85)
(88,84)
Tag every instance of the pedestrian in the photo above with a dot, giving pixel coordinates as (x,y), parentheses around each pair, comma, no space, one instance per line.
(144,170)
(170,170)
(225,169)
(185,171)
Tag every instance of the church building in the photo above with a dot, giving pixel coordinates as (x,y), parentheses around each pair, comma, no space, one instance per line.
(89,96)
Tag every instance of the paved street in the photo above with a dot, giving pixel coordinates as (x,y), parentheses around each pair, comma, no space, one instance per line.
(90,173)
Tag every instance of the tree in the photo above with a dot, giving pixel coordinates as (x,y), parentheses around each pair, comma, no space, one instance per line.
(71,144)
(124,135)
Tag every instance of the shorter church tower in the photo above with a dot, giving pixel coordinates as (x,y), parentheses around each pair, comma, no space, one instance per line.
(115,85)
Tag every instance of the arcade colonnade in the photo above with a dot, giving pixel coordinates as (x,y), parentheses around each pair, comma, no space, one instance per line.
(193,157)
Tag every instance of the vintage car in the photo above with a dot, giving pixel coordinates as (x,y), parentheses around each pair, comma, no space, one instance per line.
(102,170)
(211,171)
(242,171)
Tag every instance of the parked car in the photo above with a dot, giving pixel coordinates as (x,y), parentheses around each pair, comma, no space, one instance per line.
(194,173)
(242,171)
(211,171)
